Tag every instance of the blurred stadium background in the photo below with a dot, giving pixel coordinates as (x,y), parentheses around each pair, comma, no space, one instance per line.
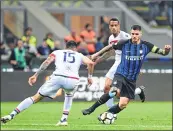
(51,24)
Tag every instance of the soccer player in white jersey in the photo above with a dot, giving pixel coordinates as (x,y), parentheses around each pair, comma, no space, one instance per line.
(117,35)
(65,76)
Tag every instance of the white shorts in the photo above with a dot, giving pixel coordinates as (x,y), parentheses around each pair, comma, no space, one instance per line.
(51,86)
(112,71)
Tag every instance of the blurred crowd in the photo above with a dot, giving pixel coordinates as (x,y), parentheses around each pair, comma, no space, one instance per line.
(20,52)
(159,8)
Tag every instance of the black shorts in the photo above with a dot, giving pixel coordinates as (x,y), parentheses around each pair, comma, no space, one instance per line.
(127,87)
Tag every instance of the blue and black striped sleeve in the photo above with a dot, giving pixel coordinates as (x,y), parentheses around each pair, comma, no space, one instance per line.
(154,49)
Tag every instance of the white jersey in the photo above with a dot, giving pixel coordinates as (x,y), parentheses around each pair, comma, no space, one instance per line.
(112,40)
(67,62)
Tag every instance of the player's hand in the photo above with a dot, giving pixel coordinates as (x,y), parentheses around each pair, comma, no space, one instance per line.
(93,57)
(90,81)
(32,80)
(97,60)
(13,62)
(167,47)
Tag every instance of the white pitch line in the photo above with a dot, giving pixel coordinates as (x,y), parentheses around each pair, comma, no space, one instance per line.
(166,126)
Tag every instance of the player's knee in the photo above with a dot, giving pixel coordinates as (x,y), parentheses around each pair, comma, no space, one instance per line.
(108,83)
(123,105)
(107,88)
(54,97)
(37,97)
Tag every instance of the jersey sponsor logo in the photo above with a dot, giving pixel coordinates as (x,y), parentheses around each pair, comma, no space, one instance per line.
(133,58)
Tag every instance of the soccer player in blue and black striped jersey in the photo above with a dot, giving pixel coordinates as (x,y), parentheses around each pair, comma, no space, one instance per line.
(134,52)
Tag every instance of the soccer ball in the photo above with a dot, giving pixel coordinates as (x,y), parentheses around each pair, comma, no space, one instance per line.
(107,118)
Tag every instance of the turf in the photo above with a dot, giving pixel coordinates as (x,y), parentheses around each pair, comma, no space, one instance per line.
(44,116)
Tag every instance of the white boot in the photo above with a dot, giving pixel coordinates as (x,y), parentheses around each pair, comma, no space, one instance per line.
(62,123)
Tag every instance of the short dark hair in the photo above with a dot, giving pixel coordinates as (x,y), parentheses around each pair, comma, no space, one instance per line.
(136,27)
(114,19)
(71,44)
(49,33)
(87,25)
(44,39)
(28,28)
(19,39)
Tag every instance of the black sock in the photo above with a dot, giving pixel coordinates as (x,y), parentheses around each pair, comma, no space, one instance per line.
(103,99)
(115,109)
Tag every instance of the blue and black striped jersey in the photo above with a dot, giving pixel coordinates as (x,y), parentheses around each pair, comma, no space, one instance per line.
(132,57)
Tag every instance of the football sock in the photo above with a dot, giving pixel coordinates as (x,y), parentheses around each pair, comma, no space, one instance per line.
(137,91)
(22,106)
(115,109)
(67,106)
(65,115)
(103,99)
(110,103)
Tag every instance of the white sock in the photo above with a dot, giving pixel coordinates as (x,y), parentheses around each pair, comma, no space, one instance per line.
(67,106)
(110,103)
(22,106)
(137,91)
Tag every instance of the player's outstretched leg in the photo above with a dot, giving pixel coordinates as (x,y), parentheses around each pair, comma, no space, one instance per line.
(22,106)
(140,91)
(118,107)
(103,99)
(108,83)
(67,106)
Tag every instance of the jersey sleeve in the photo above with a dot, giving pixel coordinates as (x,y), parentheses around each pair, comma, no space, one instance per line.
(53,54)
(126,36)
(154,49)
(150,46)
(119,45)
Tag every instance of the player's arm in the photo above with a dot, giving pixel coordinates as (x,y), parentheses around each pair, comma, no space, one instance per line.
(90,73)
(43,66)
(90,65)
(160,51)
(105,56)
(90,68)
(157,50)
(109,47)
(102,51)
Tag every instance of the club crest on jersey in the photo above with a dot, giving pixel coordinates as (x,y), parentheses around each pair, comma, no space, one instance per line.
(115,82)
(141,51)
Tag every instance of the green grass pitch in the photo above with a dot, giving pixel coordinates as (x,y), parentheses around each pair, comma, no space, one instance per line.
(44,116)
